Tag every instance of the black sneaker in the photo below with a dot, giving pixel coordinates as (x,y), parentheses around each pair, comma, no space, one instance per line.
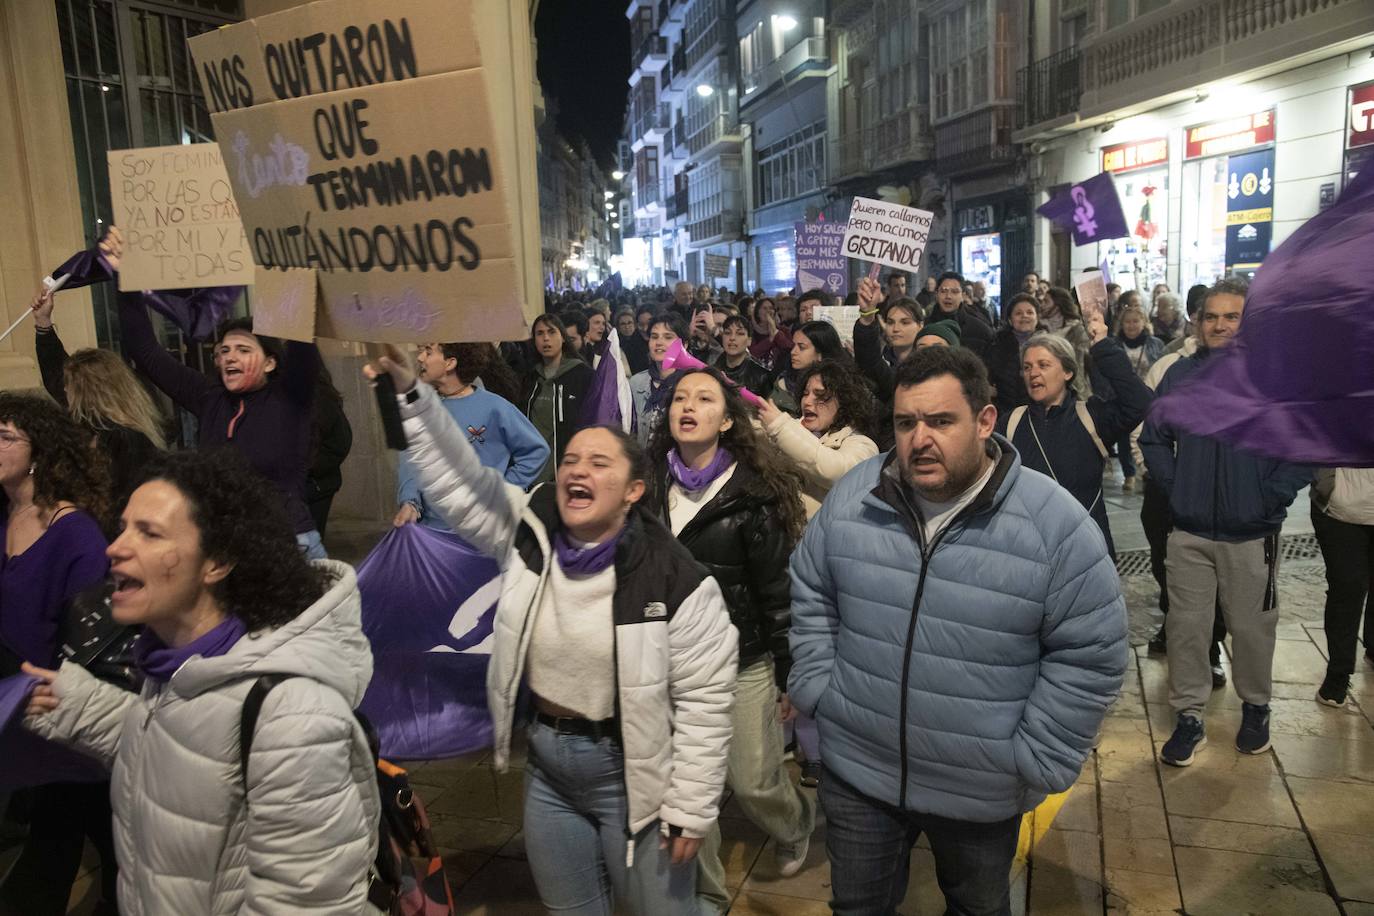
(811,774)
(1333,690)
(1218,677)
(1159,643)
(1188,738)
(1253,737)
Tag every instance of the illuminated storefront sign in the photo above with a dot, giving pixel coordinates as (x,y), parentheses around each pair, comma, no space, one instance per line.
(1142,154)
(1227,136)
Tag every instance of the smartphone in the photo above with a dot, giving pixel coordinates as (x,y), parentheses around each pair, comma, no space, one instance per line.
(392,428)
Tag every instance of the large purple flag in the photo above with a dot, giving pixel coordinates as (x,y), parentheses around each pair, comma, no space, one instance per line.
(1091,210)
(1297,383)
(27,760)
(608,401)
(429,601)
(83,269)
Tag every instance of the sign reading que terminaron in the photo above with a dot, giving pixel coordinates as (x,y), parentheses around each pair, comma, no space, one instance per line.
(359,142)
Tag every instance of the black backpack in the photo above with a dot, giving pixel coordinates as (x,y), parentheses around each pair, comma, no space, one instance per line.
(407,876)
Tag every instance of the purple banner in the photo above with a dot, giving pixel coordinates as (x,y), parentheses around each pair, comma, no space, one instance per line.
(1297,383)
(429,601)
(1091,210)
(821,263)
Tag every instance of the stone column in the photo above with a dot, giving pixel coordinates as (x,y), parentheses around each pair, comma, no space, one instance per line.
(42,223)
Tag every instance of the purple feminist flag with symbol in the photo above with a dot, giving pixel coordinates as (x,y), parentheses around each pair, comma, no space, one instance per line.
(429,601)
(1090,210)
(27,760)
(1297,383)
(608,401)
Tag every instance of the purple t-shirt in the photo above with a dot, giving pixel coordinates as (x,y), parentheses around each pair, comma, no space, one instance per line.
(69,557)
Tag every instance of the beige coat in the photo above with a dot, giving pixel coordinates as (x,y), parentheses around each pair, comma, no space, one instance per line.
(822,460)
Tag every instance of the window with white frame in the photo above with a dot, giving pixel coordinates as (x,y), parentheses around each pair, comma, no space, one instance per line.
(898,59)
(752,54)
(961,59)
(791,167)
(704,112)
(704,192)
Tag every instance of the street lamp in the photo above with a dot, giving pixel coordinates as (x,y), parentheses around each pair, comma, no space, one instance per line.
(609,194)
(705,91)
(609,205)
(618,175)
(785,23)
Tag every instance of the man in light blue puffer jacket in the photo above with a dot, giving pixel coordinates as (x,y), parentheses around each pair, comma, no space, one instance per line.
(958,633)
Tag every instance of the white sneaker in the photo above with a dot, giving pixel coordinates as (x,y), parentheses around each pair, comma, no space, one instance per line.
(792,856)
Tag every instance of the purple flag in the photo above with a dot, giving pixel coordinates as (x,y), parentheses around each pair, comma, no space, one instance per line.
(198,312)
(1297,383)
(608,401)
(1090,210)
(27,760)
(429,601)
(83,269)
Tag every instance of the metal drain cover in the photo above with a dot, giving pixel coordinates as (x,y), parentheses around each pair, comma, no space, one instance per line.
(1298,547)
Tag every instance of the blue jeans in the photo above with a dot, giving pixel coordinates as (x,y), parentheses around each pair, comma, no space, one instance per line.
(869,844)
(576,817)
(311,545)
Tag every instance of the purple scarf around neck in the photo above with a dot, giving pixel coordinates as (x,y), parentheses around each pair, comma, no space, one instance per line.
(693,480)
(586,561)
(159,661)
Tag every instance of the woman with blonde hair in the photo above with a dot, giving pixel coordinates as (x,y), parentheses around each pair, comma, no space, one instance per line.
(104,396)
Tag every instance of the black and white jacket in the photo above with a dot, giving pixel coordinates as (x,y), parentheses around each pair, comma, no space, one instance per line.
(675,648)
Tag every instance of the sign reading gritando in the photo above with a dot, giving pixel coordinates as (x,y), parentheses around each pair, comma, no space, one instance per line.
(359,141)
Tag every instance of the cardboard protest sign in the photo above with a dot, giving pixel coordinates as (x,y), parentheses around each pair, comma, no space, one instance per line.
(717,265)
(360,142)
(1091,287)
(841,317)
(179,217)
(282,303)
(820,257)
(889,234)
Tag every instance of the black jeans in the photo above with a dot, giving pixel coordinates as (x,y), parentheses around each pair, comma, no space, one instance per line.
(869,844)
(1349,554)
(64,815)
(1158,521)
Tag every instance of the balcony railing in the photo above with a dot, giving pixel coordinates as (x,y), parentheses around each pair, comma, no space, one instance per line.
(1049,88)
(679,68)
(715,129)
(976,142)
(678,143)
(653,46)
(1191,42)
(651,125)
(807,52)
(902,138)
(647,195)
(711,40)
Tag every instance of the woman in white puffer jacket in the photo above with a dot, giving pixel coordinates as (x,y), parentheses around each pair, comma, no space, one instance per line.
(208,563)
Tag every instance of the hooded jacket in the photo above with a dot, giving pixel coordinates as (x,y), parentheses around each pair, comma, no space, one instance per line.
(1216,491)
(822,460)
(187,841)
(966,677)
(675,651)
(568,388)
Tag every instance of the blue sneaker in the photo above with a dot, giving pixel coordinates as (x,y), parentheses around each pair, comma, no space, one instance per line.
(1253,737)
(1189,737)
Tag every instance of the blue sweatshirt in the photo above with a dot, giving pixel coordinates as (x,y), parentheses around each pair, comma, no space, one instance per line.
(502,438)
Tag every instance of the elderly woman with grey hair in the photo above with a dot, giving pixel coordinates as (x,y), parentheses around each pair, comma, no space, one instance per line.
(1064,436)
(1169,318)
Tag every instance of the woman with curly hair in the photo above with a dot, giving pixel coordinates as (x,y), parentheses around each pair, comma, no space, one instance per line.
(731,500)
(103,395)
(56,493)
(207,564)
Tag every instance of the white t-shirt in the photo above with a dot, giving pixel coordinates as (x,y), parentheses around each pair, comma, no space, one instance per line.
(939,515)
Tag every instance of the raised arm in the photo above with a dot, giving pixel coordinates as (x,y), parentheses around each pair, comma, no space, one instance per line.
(806,451)
(182,384)
(1130,396)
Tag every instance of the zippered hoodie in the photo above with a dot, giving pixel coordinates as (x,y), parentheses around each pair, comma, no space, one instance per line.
(675,649)
(186,841)
(566,391)
(965,678)
(1216,491)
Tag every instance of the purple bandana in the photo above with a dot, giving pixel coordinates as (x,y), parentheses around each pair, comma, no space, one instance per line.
(693,480)
(585,561)
(160,662)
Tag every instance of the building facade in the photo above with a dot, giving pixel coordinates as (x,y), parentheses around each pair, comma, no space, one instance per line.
(579,219)
(1225,123)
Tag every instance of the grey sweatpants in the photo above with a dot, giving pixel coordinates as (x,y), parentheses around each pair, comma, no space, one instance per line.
(1243,576)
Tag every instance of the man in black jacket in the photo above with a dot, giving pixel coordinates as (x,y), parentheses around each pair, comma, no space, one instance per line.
(974,331)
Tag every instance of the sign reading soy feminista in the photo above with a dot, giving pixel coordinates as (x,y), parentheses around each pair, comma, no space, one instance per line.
(889,234)
(180,222)
(360,143)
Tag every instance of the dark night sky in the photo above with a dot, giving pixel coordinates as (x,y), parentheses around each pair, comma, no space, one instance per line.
(584,61)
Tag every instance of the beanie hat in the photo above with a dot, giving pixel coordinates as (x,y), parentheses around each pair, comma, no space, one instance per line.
(946,330)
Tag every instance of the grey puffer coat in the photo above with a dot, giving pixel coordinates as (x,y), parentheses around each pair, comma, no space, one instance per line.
(186,841)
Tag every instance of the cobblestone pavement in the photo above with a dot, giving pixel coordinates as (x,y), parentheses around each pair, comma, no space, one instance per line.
(1289,833)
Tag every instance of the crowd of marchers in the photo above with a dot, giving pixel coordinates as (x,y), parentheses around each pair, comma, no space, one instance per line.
(882,549)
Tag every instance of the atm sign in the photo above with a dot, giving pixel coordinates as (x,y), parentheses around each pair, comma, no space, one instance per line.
(1126,157)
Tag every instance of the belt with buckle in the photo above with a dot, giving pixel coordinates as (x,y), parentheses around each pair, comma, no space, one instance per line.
(575,725)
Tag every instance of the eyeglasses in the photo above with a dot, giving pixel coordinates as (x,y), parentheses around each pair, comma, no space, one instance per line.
(9,439)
